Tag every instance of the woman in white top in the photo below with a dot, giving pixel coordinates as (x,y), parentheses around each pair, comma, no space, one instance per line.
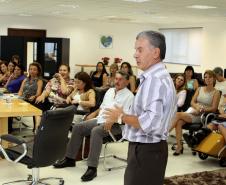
(180,89)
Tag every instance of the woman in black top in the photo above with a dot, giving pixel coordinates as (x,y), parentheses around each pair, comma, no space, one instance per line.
(99,77)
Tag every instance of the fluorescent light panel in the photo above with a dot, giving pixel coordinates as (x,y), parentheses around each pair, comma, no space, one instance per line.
(68,6)
(202,7)
(137,1)
(25,15)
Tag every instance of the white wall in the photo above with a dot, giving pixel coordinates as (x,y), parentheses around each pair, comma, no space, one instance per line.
(84,36)
(84,39)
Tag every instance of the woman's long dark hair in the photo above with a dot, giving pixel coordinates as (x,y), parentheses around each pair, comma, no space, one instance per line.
(104,68)
(83,76)
(191,69)
(22,68)
(129,67)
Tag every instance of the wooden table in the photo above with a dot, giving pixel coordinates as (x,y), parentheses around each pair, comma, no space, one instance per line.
(18,107)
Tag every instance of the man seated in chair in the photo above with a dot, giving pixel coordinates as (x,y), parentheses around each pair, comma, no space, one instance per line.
(97,128)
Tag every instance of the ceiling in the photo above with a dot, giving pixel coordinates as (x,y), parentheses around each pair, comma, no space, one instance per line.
(152,11)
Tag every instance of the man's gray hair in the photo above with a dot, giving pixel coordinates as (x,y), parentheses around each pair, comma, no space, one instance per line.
(155,39)
(218,71)
(124,74)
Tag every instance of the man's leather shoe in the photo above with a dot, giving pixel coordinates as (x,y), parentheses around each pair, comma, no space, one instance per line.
(65,163)
(89,175)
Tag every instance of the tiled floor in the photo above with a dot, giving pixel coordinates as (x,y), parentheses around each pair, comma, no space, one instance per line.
(186,163)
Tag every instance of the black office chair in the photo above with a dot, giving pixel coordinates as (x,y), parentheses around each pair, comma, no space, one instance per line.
(49,144)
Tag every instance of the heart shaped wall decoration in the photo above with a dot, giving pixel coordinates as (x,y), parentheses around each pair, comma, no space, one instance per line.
(106,41)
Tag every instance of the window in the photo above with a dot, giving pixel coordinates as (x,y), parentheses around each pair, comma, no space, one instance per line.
(183,45)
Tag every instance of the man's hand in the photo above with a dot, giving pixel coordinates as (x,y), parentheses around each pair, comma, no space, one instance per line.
(107,126)
(112,115)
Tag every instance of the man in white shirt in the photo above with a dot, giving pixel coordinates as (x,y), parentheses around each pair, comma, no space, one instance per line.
(220,82)
(97,127)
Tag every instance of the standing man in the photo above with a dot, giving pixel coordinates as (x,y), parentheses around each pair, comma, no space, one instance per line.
(147,124)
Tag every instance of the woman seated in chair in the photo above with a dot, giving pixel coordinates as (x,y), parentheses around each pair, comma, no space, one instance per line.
(83,94)
(180,89)
(127,68)
(99,77)
(57,89)
(31,87)
(15,80)
(191,82)
(220,124)
(4,73)
(205,99)
(111,77)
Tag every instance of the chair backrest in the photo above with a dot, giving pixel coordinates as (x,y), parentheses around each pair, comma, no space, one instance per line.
(187,102)
(51,139)
(99,99)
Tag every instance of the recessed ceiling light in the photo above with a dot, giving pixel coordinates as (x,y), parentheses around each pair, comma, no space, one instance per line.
(203,7)
(68,5)
(137,1)
(25,15)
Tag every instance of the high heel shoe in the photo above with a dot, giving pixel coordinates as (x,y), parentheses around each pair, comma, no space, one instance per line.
(176,153)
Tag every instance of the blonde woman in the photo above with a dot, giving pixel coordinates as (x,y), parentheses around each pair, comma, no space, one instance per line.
(180,89)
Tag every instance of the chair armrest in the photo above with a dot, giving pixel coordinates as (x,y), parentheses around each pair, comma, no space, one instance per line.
(12,139)
(207,117)
(112,136)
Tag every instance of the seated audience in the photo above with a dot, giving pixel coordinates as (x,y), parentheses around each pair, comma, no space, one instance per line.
(220,82)
(99,77)
(191,82)
(31,87)
(180,89)
(126,67)
(97,128)
(4,73)
(83,94)
(15,80)
(57,89)
(205,99)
